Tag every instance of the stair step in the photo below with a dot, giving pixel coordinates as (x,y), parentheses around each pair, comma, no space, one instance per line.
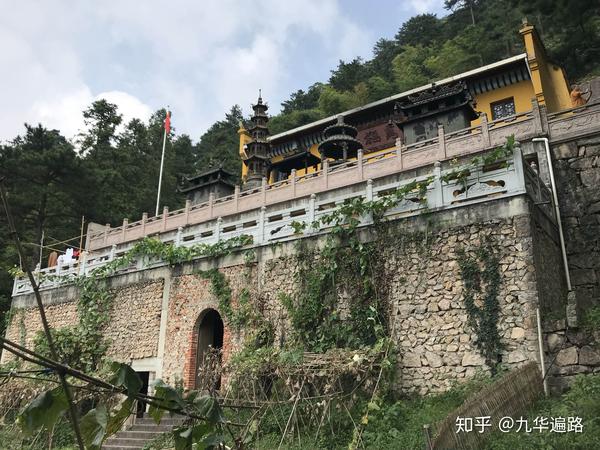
(135,434)
(127,442)
(156,428)
(121,447)
(164,421)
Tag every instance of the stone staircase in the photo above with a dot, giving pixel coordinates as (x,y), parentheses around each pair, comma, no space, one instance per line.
(143,430)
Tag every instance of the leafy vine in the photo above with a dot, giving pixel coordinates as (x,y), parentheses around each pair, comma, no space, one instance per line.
(481,277)
(346,267)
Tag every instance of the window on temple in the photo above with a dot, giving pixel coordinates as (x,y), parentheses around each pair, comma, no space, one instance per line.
(503,108)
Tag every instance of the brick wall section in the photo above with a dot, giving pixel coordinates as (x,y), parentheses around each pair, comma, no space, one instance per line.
(577,170)
(190,297)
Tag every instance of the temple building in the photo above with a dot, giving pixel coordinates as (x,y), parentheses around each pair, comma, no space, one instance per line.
(495,93)
(216,181)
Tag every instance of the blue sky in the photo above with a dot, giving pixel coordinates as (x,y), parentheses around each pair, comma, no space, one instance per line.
(200,57)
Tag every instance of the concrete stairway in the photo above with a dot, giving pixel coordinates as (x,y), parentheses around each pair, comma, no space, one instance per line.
(144,430)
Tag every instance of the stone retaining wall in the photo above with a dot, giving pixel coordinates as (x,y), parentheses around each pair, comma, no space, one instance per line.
(577,168)
(427,314)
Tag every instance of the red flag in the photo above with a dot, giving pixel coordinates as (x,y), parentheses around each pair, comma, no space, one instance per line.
(168,122)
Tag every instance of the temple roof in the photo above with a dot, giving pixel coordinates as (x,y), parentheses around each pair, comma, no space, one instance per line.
(287,138)
(209,176)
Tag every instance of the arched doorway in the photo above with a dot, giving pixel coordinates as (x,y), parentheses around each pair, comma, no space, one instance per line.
(210,336)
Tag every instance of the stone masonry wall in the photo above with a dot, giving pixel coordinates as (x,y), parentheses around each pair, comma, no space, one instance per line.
(135,318)
(427,317)
(577,170)
(25,323)
(429,320)
(133,328)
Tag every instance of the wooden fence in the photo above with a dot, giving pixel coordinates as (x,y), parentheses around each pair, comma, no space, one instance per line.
(512,395)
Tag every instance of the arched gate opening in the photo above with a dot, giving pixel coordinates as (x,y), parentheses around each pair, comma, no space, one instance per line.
(209,346)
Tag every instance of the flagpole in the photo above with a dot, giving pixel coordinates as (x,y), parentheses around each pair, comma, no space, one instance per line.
(162,161)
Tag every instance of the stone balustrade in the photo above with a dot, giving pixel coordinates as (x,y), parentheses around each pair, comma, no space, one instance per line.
(268,223)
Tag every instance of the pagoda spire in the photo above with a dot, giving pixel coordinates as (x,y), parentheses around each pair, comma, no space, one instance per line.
(257,158)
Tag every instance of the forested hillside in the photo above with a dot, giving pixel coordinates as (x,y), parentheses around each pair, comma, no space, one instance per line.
(110,171)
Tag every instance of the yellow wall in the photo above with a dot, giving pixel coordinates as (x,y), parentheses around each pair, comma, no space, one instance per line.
(244,139)
(522,92)
(549,81)
(560,87)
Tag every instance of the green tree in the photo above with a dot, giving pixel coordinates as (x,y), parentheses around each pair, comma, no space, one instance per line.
(42,174)
(219,145)
(333,101)
(41,171)
(348,75)
(409,68)
(301,100)
(384,51)
(283,122)
(454,56)
(423,29)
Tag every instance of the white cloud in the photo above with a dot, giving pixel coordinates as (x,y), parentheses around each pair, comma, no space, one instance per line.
(198,57)
(424,6)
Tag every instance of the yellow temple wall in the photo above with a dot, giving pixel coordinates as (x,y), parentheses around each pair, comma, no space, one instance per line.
(522,92)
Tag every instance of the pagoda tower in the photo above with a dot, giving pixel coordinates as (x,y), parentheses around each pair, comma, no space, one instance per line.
(257,158)
(340,142)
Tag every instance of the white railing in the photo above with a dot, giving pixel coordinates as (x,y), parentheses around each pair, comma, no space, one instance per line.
(268,225)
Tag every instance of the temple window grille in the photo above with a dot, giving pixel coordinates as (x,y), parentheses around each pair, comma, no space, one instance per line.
(503,108)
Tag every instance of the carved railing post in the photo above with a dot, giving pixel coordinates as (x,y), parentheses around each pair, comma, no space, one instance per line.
(436,198)
(124,231)
(144,220)
(369,198)
(400,147)
(293,182)
(359,164)
(106,230)
(211,201)
(325,170)
(441,142)
(263,190)
(485,131)
(518,162)
(178,236)
(537,118)
(188,207)
(261,225)
(236,196)
(165,215)
(218,229)
(311,209)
